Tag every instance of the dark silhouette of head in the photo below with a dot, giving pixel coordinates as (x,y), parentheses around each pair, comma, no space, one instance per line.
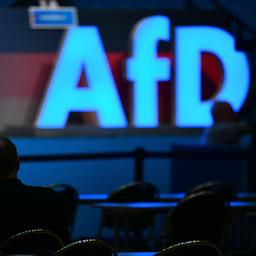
(9,160)
(222,112)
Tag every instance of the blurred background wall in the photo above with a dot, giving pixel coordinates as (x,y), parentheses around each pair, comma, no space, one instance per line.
(87,176)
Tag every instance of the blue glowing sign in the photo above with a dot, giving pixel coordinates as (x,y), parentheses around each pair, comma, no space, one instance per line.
(82,50)
(190,43)
(145,69)
(52,18)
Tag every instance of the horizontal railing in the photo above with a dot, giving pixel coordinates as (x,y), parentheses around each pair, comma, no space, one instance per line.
(140,155)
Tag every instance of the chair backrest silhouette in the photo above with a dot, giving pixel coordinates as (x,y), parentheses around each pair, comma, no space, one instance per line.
(215,186)
(134,192)
(191,248)
(91,247)
(35,241)
(200,216)
(68,197)
(129,222)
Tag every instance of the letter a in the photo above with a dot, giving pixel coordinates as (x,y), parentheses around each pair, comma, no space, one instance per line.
(82,51)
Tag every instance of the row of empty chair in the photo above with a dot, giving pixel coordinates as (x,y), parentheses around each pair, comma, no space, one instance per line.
(201,215)
(44,242)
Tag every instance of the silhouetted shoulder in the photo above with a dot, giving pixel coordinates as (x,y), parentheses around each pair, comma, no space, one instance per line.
(41,196)
(40,191)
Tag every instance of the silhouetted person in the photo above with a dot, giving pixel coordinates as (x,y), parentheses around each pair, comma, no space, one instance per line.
(25,207)
(225,128)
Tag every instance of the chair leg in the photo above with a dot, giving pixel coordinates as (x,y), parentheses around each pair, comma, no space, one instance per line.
(126,230)
(100,228)
(117,231)
(151,233)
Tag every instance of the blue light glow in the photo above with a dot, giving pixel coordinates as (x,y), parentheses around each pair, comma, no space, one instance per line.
(190,43)
(145,69)
(82,50)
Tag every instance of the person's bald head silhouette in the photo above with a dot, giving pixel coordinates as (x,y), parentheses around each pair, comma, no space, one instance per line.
(222,112)
(9,160)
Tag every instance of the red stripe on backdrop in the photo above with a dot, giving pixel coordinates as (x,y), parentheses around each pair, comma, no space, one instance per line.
(24,75)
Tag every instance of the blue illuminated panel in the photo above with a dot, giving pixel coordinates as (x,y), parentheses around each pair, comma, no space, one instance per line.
(61,17)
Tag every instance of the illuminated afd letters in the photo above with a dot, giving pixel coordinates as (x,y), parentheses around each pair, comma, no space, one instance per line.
(82,50)
(190,43)
(145,69)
